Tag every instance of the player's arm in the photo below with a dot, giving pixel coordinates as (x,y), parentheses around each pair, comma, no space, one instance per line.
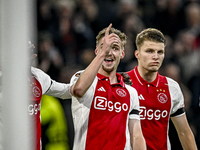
(51,87)
(185,134)
(59,90)
(87,77)
(136,136)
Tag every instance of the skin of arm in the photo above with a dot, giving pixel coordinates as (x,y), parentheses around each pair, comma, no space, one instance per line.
(87,77)
(185,134)
(136,136)
(89,74)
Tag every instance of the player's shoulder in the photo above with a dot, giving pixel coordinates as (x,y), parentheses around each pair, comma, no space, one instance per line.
(173,85)
(172,82)
(75,77)
(39,74)
(167,80)
(130,89)
(78,73)
(36,71)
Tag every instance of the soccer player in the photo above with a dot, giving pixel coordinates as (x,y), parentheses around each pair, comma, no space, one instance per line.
(42,84)
(160,97)
(105,110)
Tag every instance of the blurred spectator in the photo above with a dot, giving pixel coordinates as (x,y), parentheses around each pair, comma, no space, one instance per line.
(64,36)
(49,58)
(187,44)
(147,11)
(192,11)
(184,51)
(46,15)
(170,18)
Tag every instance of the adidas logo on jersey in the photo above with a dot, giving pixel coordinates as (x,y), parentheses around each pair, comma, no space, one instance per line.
(101,89)
(141,97)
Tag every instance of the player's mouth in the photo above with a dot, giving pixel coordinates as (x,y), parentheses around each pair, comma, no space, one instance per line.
(155,63)
(108,60)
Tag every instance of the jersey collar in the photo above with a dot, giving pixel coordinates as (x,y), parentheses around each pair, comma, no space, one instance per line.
(144,82)
(119,78)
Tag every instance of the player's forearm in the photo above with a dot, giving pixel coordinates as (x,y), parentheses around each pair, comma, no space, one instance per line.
(188,141)
(136,137)
(185,134)
(139,143)
(87,77)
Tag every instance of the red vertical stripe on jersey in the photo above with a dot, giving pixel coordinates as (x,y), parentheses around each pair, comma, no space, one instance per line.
(155,106)
(34,110)
(108,117)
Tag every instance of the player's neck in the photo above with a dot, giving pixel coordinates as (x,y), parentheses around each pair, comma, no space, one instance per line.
(147,75)
(112,75)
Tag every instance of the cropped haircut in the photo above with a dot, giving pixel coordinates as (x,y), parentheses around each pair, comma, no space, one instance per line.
(150,34)
(121,35)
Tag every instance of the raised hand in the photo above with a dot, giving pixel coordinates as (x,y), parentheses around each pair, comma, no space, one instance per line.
(108,40)
(31,47)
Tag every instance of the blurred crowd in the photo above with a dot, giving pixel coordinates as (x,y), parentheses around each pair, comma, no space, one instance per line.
(67,32)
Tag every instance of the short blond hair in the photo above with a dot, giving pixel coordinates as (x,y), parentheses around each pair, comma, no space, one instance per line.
(150,34)
(121,35)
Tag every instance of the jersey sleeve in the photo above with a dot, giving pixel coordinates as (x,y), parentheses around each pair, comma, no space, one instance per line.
(59,90)
(51,87)
(42,77)
(75,77)
(177,98)
(134,108)
(89,93)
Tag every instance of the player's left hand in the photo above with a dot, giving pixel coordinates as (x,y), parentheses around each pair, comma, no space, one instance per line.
(126,78)
(31,47)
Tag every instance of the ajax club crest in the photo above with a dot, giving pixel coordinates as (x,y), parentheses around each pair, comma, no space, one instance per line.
(121,92)
(162,97)
(36,91)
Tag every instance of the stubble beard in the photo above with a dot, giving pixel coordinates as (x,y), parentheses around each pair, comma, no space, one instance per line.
(107,70)
(153,69)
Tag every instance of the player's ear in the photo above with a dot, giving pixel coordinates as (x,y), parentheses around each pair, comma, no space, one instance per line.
(136,53)
(96,50)
(122,54)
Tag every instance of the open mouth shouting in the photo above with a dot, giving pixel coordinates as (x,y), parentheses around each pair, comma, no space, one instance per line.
(108,60)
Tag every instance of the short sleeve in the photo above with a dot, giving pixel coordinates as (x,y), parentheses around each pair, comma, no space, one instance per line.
(134,108)
(43,78)
(75,77)
(88,96)
(51,87)
(177,98)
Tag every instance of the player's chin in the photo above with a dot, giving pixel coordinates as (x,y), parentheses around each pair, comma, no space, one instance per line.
(154,68)
(108,69)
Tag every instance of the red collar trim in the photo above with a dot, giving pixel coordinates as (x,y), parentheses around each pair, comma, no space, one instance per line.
(119,78)
(144,82)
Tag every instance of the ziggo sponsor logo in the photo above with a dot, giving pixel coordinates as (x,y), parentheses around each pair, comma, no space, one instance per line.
(33,109)
(102,103)
(151,114)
